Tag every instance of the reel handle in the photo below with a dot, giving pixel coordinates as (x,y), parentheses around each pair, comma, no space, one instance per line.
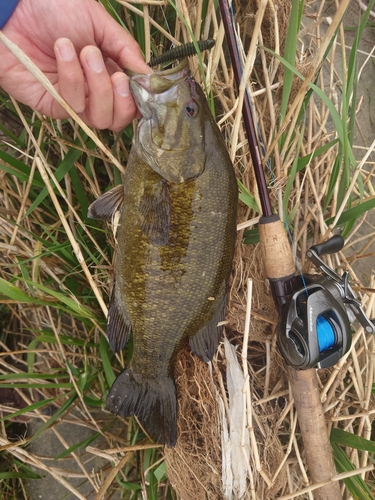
(343,289)
(332,245)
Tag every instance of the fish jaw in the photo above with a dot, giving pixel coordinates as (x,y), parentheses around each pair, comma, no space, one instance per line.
(170,135)
(158,87)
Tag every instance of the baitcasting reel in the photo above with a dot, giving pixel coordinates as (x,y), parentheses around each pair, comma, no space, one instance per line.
(315,326)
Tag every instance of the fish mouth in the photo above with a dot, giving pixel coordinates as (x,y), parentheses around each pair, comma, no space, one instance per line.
(147,87)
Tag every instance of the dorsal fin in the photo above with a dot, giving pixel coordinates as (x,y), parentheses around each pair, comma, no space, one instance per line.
(107,204)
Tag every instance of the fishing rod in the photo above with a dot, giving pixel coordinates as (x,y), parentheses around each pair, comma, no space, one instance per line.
(316,312)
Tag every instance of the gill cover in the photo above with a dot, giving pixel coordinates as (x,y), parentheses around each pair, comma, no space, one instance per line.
(170,135)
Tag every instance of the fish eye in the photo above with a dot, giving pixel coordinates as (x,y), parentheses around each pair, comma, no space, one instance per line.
(192,108)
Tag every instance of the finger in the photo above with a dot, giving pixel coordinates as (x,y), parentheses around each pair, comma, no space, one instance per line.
(111,66)
(124,108)
(126,52)
(117,44)
(71,82)
(99,104)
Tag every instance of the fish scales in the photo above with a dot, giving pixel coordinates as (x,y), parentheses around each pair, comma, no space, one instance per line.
(175,248)
(170,288)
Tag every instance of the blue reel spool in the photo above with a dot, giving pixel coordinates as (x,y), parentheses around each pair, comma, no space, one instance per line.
(326,333)
(315,329)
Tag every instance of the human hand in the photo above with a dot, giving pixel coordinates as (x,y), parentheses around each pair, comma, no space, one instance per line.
(82,50)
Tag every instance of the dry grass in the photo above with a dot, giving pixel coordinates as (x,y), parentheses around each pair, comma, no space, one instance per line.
(33,253)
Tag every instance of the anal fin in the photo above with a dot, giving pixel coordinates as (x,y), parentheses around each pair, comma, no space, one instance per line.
(206,340)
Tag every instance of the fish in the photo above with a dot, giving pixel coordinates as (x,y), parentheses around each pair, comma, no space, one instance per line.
(175,245)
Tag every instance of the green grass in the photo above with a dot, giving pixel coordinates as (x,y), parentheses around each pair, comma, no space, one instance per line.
(44,288)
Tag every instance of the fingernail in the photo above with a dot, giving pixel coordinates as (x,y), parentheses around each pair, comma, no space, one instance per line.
(65,48)
(121,86)
(94,60)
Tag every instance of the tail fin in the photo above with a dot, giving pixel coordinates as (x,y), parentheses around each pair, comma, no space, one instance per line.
(153,401)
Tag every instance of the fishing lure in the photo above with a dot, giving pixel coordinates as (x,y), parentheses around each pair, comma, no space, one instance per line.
(186,50)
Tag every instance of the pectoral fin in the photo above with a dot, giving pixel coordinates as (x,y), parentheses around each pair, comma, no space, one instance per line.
(205,342)
(118,323)
(156,212)
(107,204)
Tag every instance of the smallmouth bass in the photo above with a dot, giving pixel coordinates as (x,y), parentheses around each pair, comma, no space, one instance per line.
(175,245)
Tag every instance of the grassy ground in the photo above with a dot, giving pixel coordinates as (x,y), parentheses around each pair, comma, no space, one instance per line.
(56,266)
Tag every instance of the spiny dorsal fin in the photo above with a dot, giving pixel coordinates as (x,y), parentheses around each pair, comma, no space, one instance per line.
(107,204)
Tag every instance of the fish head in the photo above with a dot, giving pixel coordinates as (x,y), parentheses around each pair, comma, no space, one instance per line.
(170,135)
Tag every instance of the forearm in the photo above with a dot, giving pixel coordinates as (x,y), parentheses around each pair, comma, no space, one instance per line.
(6,10)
